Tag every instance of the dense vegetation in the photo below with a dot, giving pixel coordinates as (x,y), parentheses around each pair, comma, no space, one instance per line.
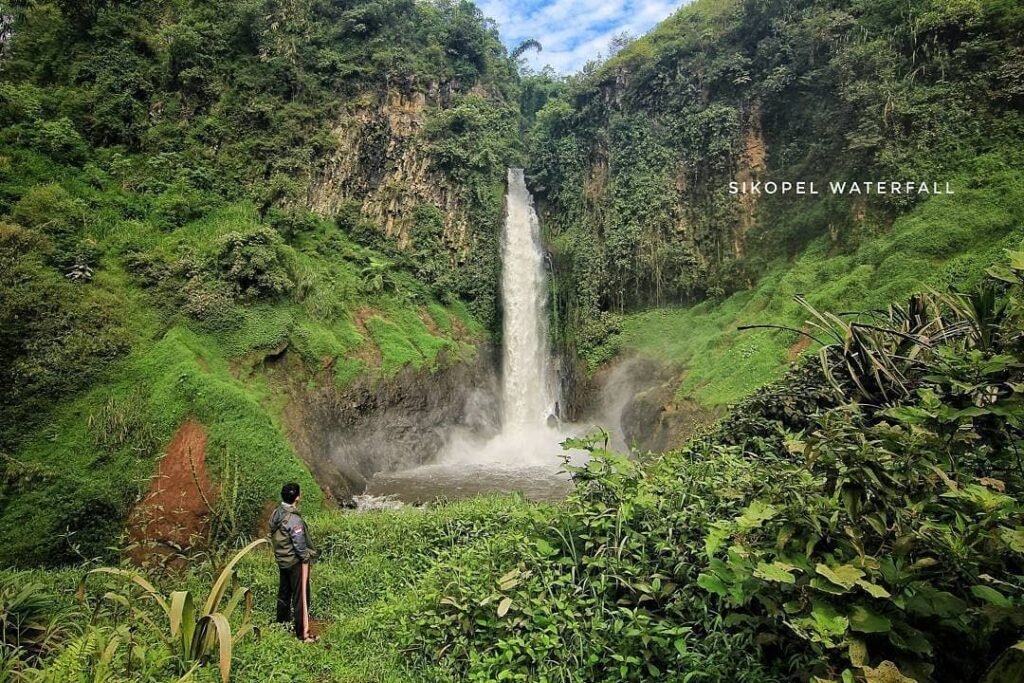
(861,519)
(632,160)
(156,247)
(866,510)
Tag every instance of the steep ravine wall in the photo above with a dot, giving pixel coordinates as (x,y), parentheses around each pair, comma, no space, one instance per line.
(385,425)
(380,163)
(632,167)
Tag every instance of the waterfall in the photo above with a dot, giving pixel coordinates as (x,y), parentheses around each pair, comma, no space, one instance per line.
(529,433)
(527,386)
(524,451)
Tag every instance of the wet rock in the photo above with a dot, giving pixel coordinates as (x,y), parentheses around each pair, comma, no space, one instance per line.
(386,425)
(635,399)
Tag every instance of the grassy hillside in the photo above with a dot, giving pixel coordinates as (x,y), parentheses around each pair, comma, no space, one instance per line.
(378,575)
(859,521)
(159,255)
(945,242)
(633,158)
(92,458)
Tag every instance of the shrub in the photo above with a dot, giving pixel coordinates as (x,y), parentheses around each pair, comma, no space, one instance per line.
(51,210)
(210,303)
(864,520)
(60,140)
(193,632)
(292,223)
(255,262)
(30,624)
(54,337)
(19,103)
(176,207)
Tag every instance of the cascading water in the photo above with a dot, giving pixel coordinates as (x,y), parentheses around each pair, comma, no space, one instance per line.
(527,387)
(530,433)
(523,452)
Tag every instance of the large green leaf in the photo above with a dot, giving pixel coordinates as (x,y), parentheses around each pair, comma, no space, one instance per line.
(779,572)
(864,620)
(221,584)
(715,538)
(991,595)
(756,514)
(1014,538)
(222,632)
(844,575)
(926,601)
(1009,667)
(828,621)
(873,589)
(886,672)
(712,584)
(183,620)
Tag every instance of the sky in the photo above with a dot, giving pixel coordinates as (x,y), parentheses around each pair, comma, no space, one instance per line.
(573,31)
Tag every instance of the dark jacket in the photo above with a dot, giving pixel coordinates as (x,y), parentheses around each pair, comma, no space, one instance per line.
(289,537)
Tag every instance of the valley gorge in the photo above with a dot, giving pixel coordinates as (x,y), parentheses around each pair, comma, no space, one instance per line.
(563,405)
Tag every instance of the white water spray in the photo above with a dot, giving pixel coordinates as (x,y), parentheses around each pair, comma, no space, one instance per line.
(524,453)
(530,433)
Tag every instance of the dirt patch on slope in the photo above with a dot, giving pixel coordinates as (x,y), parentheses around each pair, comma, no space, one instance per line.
(429,321)
(175,514)
(798,347)
(368,352)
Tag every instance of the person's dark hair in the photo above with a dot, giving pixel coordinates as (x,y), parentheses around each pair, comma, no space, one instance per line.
(289,492)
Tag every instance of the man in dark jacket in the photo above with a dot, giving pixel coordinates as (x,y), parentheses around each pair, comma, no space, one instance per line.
(293,552)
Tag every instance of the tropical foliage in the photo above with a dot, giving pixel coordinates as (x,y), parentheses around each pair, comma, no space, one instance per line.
(157,243)
(633,158)
(192,633)
(858,521)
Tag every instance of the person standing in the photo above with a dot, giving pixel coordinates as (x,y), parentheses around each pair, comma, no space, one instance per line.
(293,552)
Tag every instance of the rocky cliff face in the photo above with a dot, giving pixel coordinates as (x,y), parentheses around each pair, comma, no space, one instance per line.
(638,211)
(386,425)
(635,398)
(417,168)
(380,162)
(634,163)
(751,165)
(639,165)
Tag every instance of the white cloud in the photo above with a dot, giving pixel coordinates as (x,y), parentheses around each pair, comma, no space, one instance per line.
(573,31)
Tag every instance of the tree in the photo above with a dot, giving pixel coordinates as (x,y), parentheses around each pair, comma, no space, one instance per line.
(528,44)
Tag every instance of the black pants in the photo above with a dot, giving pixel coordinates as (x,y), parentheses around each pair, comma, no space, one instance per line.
(293,598)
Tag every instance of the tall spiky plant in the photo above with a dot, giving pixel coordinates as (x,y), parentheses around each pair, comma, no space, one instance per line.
(30,624)
(878,358)
(193,633)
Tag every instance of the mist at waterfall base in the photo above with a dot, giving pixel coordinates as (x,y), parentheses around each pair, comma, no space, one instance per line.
(523,452)
(530,432)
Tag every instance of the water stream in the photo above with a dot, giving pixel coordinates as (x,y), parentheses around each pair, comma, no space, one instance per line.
(527,384)
(524,452)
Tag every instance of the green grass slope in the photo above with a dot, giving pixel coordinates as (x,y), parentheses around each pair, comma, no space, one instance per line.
(157,259)
(632,161)
(378,574)
(860,520)
(76,476)
(947,241)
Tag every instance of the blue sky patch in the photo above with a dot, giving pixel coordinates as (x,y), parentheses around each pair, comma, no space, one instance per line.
(573,31)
